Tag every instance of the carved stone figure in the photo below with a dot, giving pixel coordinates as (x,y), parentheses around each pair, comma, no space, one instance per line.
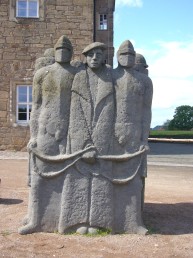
(47,59)
(132,124)
(49,128)
(89,136)
(140,64)
(87,202)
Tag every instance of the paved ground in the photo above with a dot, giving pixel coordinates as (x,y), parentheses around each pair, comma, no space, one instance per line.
(153,159)
(13,155)
(168,214)
(170,154)
(171,160)
(165,148)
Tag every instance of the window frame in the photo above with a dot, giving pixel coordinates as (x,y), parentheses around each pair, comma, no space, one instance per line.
(103,22)
(28,103)
(27,9)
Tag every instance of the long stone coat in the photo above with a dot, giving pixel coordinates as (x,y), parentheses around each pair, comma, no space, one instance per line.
(87,194)
(132,123)
(49,128)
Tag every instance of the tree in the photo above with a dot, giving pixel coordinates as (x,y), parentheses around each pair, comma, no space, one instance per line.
(183,118)
(166,124)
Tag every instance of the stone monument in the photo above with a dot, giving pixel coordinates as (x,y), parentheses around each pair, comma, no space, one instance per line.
(87,202)
(89,132)
(132,125)
(49,128)
(140,64)
(47,59)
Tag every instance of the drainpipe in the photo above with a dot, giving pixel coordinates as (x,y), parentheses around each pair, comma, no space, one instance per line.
(94,20)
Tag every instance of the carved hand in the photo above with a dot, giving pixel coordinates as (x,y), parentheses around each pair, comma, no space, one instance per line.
(122,140)
(144,146)
(31,144)
(89,157)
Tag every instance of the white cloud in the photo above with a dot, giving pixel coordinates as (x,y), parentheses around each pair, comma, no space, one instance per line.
(159,116)
(130,3)
(174,59)
(168,94)
(172,92)
(170,68)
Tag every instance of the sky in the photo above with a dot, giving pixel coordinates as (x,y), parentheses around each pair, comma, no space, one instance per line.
(162,31)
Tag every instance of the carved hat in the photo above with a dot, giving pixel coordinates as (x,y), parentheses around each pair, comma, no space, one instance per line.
(93,46)
(139,59)
(63,42)
(126,47)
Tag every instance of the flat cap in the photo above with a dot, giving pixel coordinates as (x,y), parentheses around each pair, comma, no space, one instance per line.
(93,46)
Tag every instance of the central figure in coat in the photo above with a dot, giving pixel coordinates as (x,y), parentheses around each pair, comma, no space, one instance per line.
(87,193)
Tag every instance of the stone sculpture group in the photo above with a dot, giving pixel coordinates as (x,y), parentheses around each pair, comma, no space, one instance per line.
(89,138)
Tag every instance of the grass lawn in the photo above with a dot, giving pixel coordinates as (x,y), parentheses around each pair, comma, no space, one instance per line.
(171,134)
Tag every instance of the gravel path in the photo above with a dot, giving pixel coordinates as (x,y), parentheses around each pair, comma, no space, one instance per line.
(168,214)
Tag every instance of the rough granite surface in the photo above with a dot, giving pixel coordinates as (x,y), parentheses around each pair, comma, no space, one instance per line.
(89,137)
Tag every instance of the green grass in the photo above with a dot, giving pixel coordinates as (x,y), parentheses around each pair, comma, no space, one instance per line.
(103,232)
(171,134)
(5,233)
(100,232)
(151,231)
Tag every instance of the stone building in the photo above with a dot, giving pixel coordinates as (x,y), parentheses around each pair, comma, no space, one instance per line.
(104,10)
(27,28)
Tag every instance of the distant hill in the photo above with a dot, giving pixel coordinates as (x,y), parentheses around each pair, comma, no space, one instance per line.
(158,127)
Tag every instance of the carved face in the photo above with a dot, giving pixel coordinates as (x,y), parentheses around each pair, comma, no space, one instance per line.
(95,58)
(63,55)
(126,59)
(140,68)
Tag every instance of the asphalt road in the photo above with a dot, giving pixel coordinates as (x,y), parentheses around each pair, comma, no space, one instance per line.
(171,154)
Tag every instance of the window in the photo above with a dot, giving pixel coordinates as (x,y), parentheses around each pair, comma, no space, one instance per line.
(27,8)
(24,103)
(103,22)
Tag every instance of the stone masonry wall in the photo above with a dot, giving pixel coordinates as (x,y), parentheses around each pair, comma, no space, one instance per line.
(106,36)
(22,41)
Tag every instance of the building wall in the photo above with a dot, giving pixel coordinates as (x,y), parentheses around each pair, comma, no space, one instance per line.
(106,36)
(22,41)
